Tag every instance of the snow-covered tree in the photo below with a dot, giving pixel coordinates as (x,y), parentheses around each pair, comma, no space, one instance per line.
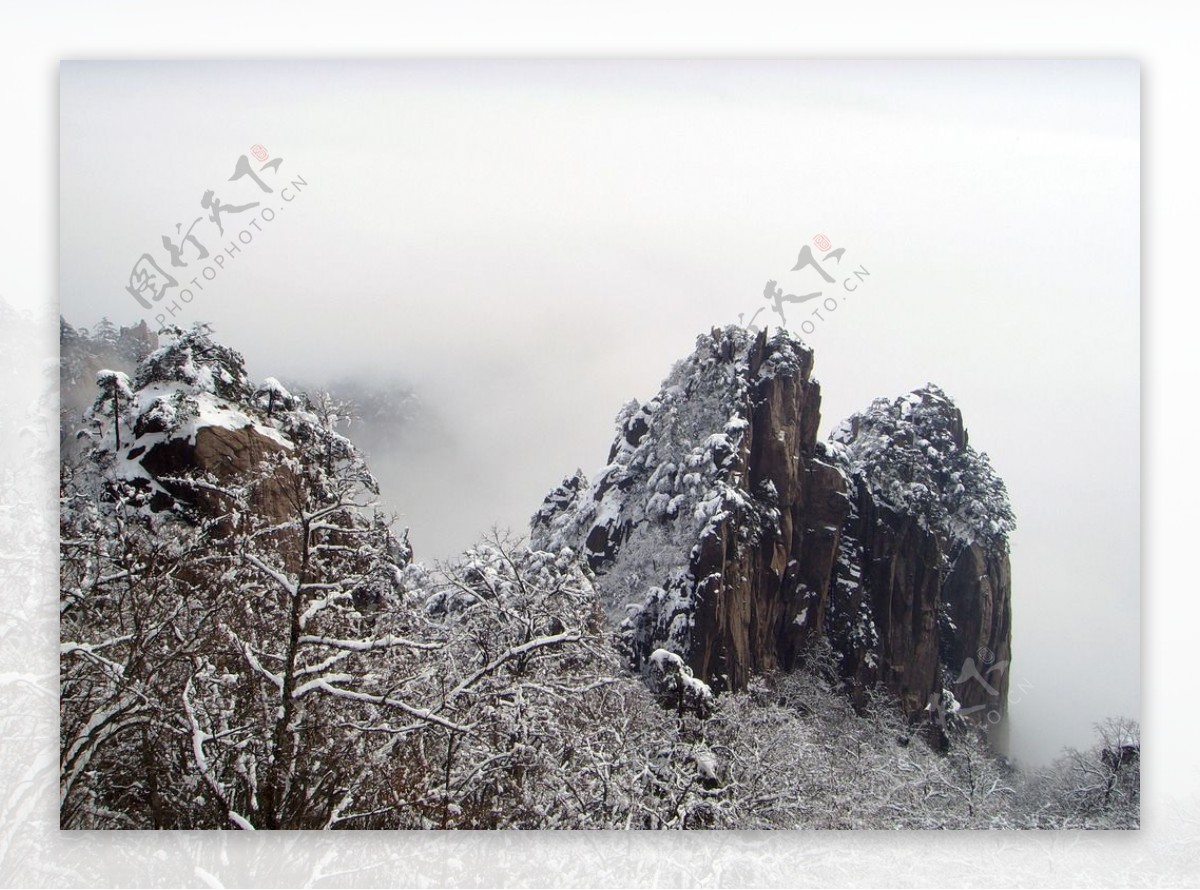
(113,398)
(1099,787)
(215,632)
(130,615)
(267,658)
(271,394)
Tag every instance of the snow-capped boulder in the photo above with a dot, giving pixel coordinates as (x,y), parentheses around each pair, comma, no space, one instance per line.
(187,429)
(194,441)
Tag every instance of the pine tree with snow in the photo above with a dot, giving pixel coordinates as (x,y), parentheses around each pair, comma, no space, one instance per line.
(271,394)
(105,331)
(114,397)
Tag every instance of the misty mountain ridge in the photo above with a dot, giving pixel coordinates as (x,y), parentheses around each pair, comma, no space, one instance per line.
(723,572)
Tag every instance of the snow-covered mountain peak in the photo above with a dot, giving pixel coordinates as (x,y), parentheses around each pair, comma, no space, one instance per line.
(913,453)
(722,530)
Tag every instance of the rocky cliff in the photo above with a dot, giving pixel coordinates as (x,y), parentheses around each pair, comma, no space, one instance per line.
(724,531)
(192,438)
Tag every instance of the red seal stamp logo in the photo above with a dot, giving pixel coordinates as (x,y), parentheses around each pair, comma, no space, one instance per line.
(262,154)
(822,242)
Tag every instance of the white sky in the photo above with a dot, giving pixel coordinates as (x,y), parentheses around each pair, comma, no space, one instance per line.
(532,244)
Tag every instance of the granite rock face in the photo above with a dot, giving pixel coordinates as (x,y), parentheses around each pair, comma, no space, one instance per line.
(724,531)
(227,457)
